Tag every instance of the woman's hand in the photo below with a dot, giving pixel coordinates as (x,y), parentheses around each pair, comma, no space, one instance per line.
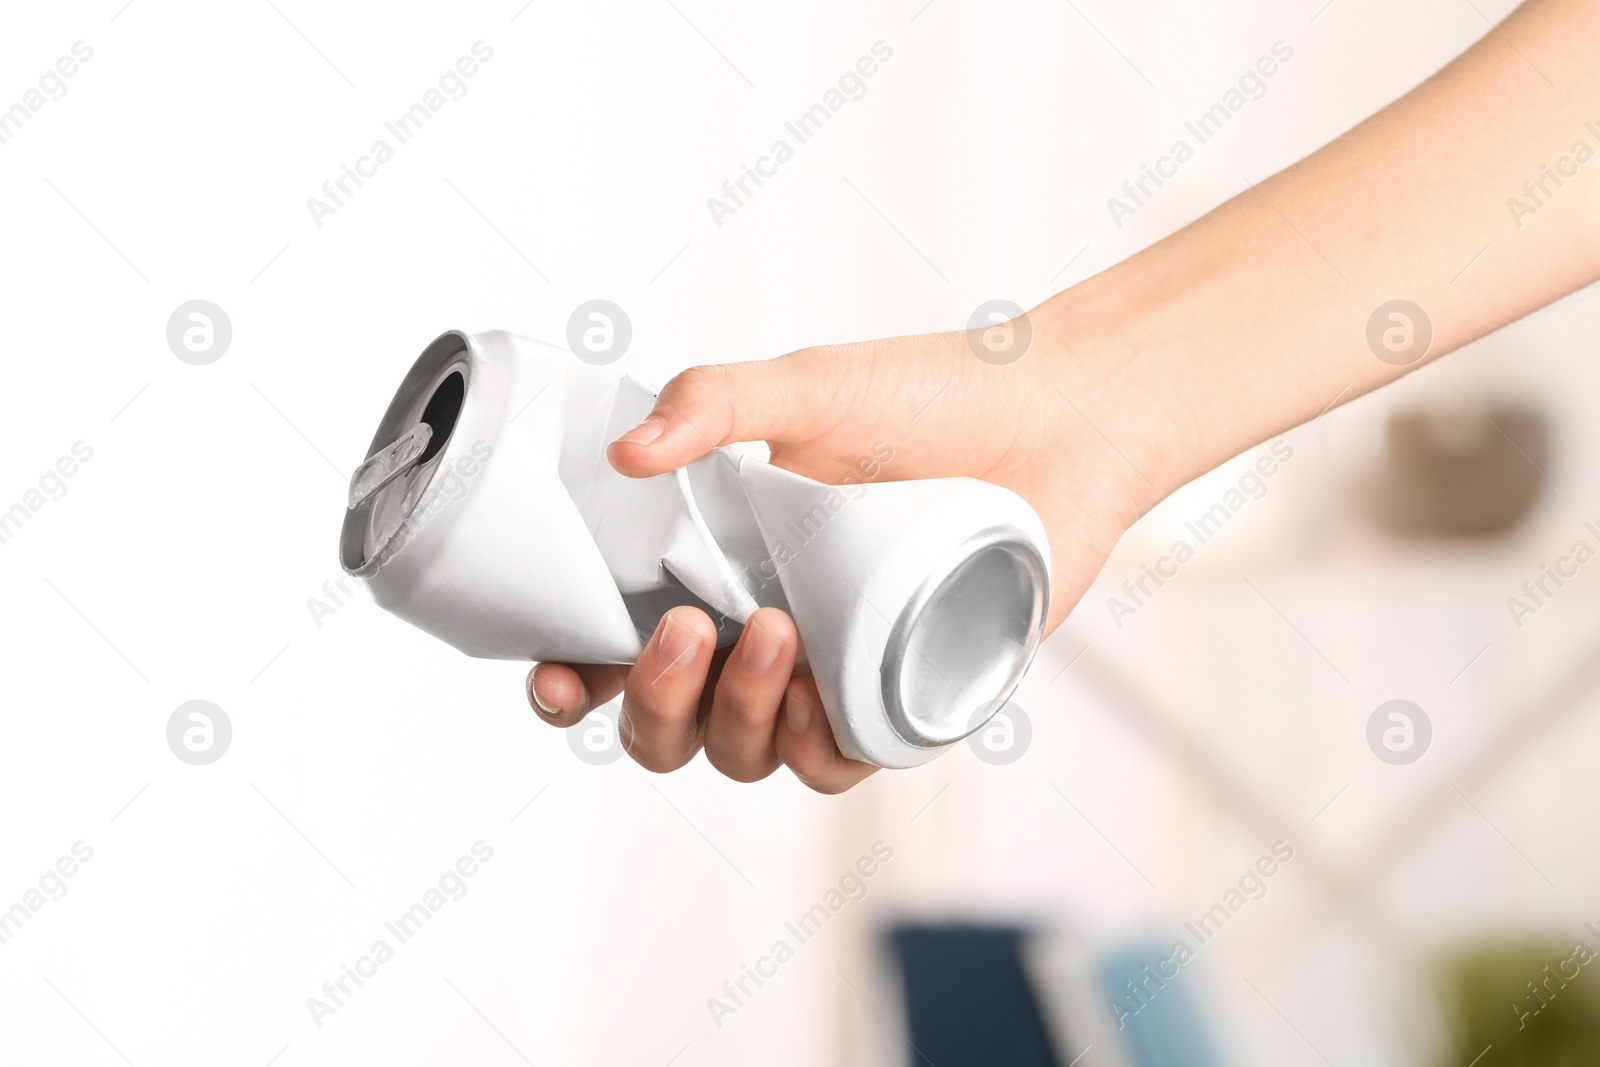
(1225,334)
(1045,426)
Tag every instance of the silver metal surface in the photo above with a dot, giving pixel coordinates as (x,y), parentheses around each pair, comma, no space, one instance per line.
(388,463)
(966,637)
(427,395)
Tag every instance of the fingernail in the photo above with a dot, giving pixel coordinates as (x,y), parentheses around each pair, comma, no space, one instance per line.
(676,644)
(644,433)
(545,706)
(759,649)
(797,713)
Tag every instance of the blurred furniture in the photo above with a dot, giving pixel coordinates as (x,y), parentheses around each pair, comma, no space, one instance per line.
(1520,1004)
(969,999)
(1457,471)
(1164,1029)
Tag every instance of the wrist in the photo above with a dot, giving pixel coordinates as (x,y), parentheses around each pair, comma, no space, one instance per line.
(1213,340)
(1117,397)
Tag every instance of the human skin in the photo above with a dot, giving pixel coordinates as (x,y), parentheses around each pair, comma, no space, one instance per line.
(1245,324)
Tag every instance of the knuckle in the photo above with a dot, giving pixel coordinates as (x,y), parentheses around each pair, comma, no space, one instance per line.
(819,781)
(800,357)
(642,712)
(736,766)
(654,762)
(652,749)
(647,706)
(698,384)
(746,716)
(704,395)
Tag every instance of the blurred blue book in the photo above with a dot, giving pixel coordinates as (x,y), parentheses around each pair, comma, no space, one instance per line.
(1153,1004)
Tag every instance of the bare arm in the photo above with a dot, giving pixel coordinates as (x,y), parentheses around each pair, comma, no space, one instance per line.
(1476,198)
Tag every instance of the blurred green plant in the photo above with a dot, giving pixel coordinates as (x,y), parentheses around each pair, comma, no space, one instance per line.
(1529,1003)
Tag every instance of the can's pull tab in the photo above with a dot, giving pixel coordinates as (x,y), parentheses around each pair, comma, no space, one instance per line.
(388,463)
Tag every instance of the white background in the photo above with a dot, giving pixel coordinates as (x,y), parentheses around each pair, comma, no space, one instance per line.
(367,757)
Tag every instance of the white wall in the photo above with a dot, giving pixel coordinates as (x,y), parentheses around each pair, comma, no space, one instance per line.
(366,757)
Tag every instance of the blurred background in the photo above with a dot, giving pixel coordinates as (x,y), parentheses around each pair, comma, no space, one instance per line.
(1205,833)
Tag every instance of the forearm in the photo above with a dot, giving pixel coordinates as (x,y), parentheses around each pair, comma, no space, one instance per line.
(1255,318)
(1249,322)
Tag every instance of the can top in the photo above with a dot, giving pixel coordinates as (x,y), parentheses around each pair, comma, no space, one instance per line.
(404,454)
(966,637)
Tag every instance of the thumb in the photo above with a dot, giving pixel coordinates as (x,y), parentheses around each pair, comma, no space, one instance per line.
(707,407)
